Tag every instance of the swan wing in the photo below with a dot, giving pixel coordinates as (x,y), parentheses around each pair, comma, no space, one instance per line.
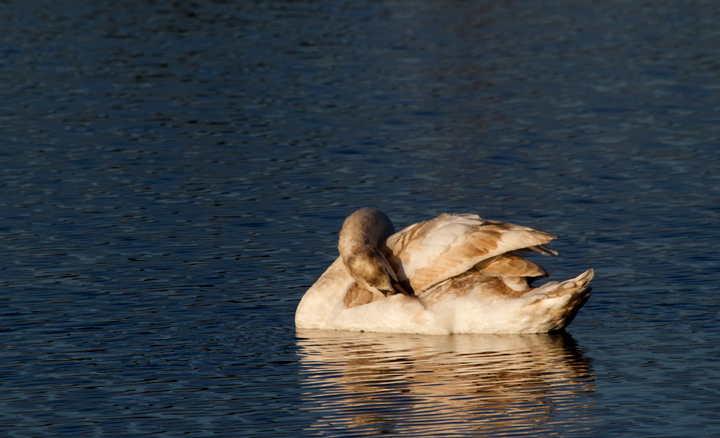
(430,252)
(511,265)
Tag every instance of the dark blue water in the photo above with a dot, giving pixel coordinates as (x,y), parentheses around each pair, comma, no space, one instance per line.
(173,177)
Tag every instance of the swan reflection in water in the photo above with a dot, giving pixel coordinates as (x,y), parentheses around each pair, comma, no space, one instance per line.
(367,383)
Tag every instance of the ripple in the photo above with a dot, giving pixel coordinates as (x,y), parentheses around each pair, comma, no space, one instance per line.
(444,386)
(173,176)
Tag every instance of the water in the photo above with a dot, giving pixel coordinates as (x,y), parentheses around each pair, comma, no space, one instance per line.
(431,386)
(173,177)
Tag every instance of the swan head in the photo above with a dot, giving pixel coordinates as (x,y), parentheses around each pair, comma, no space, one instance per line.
(361,238)
(366,267)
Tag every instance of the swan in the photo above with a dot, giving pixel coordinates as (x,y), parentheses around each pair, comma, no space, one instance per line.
(456,273)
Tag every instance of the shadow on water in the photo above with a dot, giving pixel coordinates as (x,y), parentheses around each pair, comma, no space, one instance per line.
(367,383)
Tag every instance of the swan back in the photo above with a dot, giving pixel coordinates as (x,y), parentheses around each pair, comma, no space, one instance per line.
(430,252)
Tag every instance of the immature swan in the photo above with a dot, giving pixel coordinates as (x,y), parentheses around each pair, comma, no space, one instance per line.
(456,273)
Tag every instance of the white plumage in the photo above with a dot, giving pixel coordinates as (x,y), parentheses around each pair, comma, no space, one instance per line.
(457,273)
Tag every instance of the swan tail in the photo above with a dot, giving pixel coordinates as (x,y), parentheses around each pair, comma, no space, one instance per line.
(560,302)
(572,286)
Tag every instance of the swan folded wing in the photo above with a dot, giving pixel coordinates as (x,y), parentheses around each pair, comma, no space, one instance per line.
(433,251)
(511,265)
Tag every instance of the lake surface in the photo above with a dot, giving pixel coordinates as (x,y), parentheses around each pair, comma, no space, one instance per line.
(173,177)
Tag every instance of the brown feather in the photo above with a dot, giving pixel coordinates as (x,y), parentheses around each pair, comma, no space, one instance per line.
(511,265)
(481,241)
(357,296)
(465,283)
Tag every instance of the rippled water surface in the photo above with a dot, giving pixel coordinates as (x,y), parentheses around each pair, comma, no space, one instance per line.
(173,176)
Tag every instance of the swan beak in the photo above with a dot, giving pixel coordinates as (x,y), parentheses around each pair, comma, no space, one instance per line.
(387,292)
(397,289)
(400,289)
